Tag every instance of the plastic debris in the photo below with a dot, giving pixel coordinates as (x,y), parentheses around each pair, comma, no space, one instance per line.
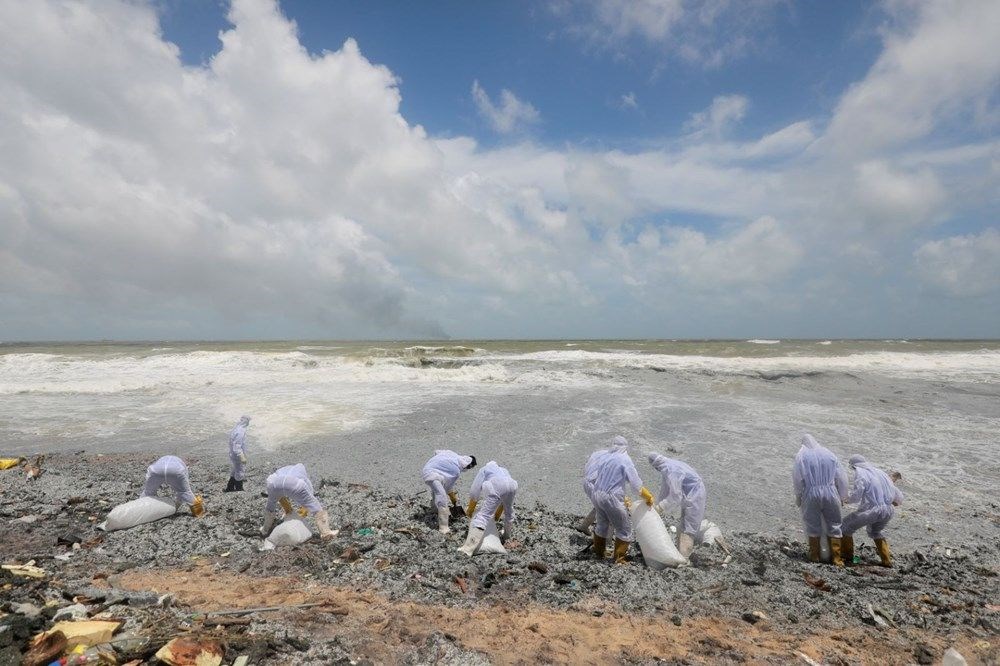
(8,463)
(953,657)
(84,632)
(28,570)
(44,648)
(191,652)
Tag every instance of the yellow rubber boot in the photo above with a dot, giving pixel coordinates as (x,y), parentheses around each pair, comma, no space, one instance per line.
(600,546)
(835,558)
(814,549)
(621,549)
(882,548)
(847,550)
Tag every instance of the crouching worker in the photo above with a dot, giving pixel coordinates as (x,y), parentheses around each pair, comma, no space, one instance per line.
(290,485)
(493,492)
(440,474)
(876,495)
(820,489)
(171,471)
(611,473)
(681,486)
(238,455)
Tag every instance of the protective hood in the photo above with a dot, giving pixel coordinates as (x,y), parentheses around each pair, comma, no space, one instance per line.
(618,445)
(809,442)
(244,421)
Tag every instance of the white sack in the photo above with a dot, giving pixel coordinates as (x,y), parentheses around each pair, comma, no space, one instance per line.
(137,512)
(708,533)
(491,540)
(291,532)
(654,539)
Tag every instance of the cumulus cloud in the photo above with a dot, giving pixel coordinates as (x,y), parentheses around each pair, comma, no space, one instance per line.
(509,115)
(962,266)
(272,191)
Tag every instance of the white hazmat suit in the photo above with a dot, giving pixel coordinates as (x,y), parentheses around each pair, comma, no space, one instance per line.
(237,454)
(289,486)
(610,474)
(681,486)
(876,495)
(820,486)
(493,492)
(171,471)
(440,474)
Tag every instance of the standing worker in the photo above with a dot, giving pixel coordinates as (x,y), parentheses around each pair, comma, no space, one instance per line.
(238,455)
(820,489)
(440,474)
(172,471)
(496,488)
(289,485)
(876,495)
(681,486)
(611,472)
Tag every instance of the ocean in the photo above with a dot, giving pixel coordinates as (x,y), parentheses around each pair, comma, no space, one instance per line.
(374,411)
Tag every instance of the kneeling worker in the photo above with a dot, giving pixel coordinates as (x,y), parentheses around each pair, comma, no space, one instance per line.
(172,471)
(876,495)
(611,473)
(440,474)
(681,486)
(496,488)
(290,485)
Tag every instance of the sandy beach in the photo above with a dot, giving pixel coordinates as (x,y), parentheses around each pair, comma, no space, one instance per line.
(393,590)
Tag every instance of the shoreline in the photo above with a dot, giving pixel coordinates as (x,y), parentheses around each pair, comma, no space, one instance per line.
(759,607)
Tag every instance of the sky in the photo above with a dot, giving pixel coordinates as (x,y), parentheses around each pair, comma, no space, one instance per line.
(205,169)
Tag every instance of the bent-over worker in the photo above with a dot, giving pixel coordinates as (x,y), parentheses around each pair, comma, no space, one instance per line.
(493,492)
(681,486)
(291,485)
(440,474)
(611,474)
(876,495)
(171,471)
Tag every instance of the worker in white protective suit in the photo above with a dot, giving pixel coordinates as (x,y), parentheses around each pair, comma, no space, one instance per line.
(171,471)
(440,474)
(611,473)
(876,495)
(238,455)
(290,486)
(681,486)
(493,492)
(589,476)
(820,490)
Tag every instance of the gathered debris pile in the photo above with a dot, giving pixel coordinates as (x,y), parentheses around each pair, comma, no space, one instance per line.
(62,594)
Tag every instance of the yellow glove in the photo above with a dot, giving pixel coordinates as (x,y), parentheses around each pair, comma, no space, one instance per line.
(453,496)
(646,495)
(496,516)
(302,512)
(472,508)
(286,506)
(197,507)
(628,504)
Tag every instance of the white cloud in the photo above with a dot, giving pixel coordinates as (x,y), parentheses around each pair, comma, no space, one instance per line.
(509,115)
(962,266)
(724,112)
(706,32)
(628,101)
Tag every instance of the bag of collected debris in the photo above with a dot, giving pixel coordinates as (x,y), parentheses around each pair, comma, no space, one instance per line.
(291,532)
(138,512)
(654,539)
(491,540)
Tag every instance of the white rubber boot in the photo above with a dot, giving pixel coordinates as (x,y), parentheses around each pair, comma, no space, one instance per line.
(473,541)
(588,520)
(323,523)
(443,515)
